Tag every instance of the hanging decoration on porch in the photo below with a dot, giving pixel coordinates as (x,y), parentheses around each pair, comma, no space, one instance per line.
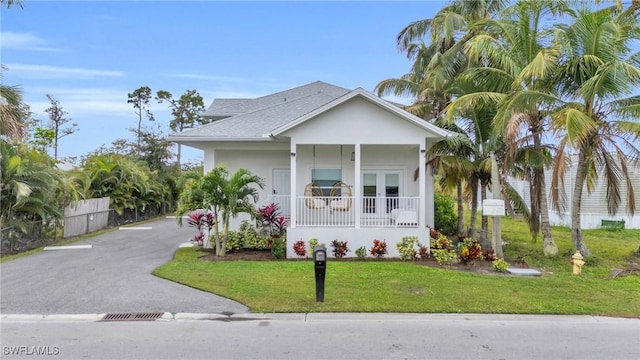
(340,193)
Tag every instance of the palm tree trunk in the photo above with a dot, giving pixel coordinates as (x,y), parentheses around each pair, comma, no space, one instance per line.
(549,247)
(474,209)
(223,245)
(484,241)
(460,207)
(576,234)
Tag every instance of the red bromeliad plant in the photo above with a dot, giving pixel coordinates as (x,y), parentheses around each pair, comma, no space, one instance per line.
(379,248)
(300,248)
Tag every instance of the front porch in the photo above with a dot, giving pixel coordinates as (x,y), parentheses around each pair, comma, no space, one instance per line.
(322,211)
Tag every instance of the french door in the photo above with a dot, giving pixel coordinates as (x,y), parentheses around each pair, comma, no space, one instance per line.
(380,191)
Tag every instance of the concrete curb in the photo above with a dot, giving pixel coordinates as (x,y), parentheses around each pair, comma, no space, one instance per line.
(167,317)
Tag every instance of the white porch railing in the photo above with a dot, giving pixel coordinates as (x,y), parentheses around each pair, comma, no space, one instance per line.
(376,211)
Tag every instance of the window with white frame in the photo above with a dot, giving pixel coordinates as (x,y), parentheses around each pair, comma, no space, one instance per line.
(326,178)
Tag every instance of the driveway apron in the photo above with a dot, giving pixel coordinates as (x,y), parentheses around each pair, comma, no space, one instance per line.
(112,276)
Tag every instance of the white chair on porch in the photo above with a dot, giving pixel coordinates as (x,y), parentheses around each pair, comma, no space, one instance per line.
(310,191)
(405,217)
(340,197)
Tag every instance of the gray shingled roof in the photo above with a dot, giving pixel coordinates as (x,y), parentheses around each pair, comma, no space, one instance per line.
(257,117)
(225,107)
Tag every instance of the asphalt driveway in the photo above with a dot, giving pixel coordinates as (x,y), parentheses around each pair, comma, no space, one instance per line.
(112,276)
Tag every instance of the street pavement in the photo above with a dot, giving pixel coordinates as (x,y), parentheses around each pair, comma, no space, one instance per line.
(112,276)
(328,336)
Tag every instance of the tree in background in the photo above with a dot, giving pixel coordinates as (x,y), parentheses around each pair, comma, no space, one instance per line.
(57,120)
(140,99)
(11,3)
(185,110)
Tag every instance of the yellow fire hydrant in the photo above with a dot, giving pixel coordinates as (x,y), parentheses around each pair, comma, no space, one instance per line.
(577,262)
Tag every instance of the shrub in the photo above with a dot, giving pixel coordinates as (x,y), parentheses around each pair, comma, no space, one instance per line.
(444,256)
(406,248)
(423,251)
(251,238)
(445,217)
(279,248)
(469,250)
(312,244)
(300,248)
(235,241)
(198,239)
(271,221)
(340,248)
(489,255)
(500,265)
(379,248)
(361,252)
(441,242)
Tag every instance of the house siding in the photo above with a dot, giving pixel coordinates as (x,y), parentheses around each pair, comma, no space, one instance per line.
(593,205)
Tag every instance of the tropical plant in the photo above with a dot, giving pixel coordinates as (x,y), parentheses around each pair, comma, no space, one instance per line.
(469,250)
(445,218)
(598,71)
(300,248)
(31,186)
(406,247)
(514,79)
(379,248)
(340,248)
(13,111)
(225,196)
(361,252)
(500,265)
(444,256)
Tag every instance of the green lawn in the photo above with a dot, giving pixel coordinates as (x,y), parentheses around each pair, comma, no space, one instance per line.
(390,286)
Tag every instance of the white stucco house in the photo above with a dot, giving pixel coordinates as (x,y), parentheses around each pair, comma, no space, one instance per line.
(339,162)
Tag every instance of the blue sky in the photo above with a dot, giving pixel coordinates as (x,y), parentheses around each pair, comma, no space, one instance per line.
(90,54)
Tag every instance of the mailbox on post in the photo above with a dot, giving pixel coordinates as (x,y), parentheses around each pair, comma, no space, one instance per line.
(320,267)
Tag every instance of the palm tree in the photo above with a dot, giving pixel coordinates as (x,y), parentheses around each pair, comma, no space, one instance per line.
(513,79)
(30,186)
(225,196)
(597,74)
(238,193)
(13,112)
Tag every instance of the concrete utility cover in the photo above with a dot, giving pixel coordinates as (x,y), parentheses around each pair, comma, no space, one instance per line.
(524,272)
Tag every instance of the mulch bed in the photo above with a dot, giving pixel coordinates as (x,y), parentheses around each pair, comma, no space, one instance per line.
(481,267)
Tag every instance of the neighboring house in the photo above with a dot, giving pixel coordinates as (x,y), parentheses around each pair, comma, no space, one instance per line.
(593,209)
(339,162)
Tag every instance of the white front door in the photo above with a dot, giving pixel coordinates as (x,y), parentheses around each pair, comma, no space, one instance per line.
(282,189)
(380,190)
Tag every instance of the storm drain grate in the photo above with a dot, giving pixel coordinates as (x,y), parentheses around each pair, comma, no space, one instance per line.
(132,316)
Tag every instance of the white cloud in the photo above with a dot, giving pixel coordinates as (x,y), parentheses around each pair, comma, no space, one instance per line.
(85,102)
(31,71)
(23,41)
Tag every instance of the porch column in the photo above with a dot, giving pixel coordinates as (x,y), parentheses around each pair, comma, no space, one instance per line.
(422,177)
(430,196)
(293,177)
(357,187)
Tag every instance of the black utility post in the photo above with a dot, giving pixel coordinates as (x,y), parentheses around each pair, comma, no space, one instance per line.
(320,266)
